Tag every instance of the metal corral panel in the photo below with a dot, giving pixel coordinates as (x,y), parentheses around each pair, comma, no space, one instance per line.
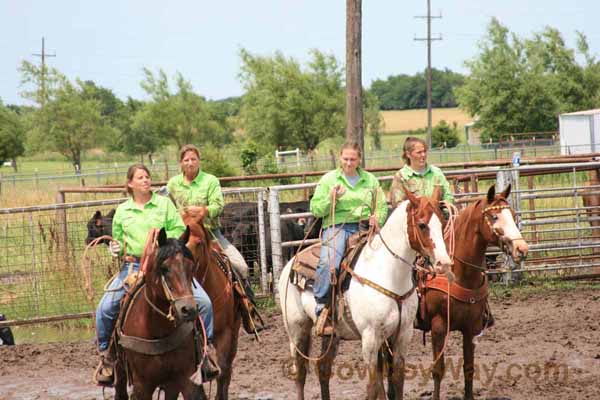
(580,132)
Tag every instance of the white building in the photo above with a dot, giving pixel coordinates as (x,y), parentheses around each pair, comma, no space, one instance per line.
(580,132)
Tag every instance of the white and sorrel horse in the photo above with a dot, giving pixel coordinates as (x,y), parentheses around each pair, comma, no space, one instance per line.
(381,299)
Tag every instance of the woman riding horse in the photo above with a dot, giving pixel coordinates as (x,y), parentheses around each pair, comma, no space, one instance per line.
(417,175)
(353,190)
(132,222)
(199,192)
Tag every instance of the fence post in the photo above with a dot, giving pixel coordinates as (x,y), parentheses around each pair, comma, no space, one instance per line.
(34,274)
(264,281)
(503,178)
(61,217)
(275,226)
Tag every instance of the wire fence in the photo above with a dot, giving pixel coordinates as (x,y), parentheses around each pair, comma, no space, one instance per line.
(41,275)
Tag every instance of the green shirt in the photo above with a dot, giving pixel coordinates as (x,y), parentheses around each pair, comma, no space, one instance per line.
(131,224)
(354,205)
(421,184)
(204,190)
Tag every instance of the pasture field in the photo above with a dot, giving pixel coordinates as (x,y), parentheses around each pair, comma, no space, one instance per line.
(408,120)
(544,346)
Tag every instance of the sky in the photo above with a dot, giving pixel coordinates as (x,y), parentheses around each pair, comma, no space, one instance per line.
(110,41)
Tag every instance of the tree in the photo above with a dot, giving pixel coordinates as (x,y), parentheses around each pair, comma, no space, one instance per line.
(12,136)
(400,92)
(73,122)
(180,117)
(444,135)
(288,106)
(521,85)
(502,91)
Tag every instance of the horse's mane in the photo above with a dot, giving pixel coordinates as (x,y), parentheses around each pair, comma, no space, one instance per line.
(170,249)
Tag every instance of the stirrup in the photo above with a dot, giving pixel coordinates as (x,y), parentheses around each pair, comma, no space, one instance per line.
(104,375)
(323,326)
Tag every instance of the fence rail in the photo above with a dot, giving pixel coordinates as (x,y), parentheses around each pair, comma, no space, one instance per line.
(41,278)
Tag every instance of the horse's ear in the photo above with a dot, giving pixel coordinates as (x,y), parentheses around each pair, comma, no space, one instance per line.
(111,213)
(185,237)
(411,197)
(162,237)
(491,193)
(506,192)
(437,194)
(97,215)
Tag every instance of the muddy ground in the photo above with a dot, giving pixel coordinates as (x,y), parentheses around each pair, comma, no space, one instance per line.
(545,345)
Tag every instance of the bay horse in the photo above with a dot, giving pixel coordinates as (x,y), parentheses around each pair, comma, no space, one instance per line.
(376,314)
(216,279)
(155,333)
(488,220)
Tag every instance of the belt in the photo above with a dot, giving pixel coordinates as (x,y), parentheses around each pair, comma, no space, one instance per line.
(131,259)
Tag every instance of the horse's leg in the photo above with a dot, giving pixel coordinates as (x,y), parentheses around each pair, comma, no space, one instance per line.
(121,380)
(397,365)
(329,345)
(370,350)
(469,363)
(438,335)
(227,353)
(191,391)
(143,392)
(301,343)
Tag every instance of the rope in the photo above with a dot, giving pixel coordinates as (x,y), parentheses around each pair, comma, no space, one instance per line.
(86,268)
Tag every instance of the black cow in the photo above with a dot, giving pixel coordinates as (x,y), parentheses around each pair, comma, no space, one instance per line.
(100,225)
(6,336)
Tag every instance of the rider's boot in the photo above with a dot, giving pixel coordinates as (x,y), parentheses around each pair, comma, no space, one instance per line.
(104,374)
(208,368)
(323,327)
(251,319)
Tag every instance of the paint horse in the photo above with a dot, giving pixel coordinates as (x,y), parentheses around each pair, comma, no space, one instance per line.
(380,302)
(488,220)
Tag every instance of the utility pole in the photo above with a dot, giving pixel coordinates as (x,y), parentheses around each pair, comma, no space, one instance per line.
(354,110)
(43,55)
(429,39)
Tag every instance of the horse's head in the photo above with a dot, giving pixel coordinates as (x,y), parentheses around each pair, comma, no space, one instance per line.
(169,278)
(425,230)
(500,224)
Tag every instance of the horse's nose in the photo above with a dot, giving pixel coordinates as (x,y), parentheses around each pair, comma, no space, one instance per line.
(189,312)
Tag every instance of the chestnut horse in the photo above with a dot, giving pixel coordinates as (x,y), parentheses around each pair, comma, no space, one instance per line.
(488,220)
(226,306)
(381,298)
(156,333)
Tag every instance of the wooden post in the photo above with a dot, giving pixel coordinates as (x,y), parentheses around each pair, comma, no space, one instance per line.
(354,110)
(530,186)
(61,219)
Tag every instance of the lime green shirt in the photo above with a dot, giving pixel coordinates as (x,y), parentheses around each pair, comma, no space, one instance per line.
(131,224)
(354,205)
(421,184)
(204,190)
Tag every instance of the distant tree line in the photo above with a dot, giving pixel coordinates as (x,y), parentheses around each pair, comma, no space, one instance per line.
(402,92)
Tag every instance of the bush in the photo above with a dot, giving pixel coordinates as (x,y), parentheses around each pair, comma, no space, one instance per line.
(444,135)
(214,162)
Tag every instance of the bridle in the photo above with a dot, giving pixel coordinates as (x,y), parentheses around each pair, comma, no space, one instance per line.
(169,296)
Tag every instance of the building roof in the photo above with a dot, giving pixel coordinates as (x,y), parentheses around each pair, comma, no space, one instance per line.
(585,112)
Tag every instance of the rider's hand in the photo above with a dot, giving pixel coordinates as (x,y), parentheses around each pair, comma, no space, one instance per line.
(114,248)
(373,221)
(199,212)
(337,191)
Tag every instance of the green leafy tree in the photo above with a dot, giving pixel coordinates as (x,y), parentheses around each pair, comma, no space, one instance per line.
(400,92)
(288,106)
(73,122)
(502,91)
(249,156)
(444,135)
(12,136)
(181,116)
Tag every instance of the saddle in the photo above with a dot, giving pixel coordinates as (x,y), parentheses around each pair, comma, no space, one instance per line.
(304,267)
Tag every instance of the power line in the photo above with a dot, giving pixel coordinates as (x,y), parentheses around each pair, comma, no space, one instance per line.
(429,39)
(43,55)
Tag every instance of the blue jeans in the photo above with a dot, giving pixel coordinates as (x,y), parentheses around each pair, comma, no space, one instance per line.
(108,308)
(330,254)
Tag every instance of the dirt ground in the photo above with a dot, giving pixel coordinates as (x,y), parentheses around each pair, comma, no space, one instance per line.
(545,345)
